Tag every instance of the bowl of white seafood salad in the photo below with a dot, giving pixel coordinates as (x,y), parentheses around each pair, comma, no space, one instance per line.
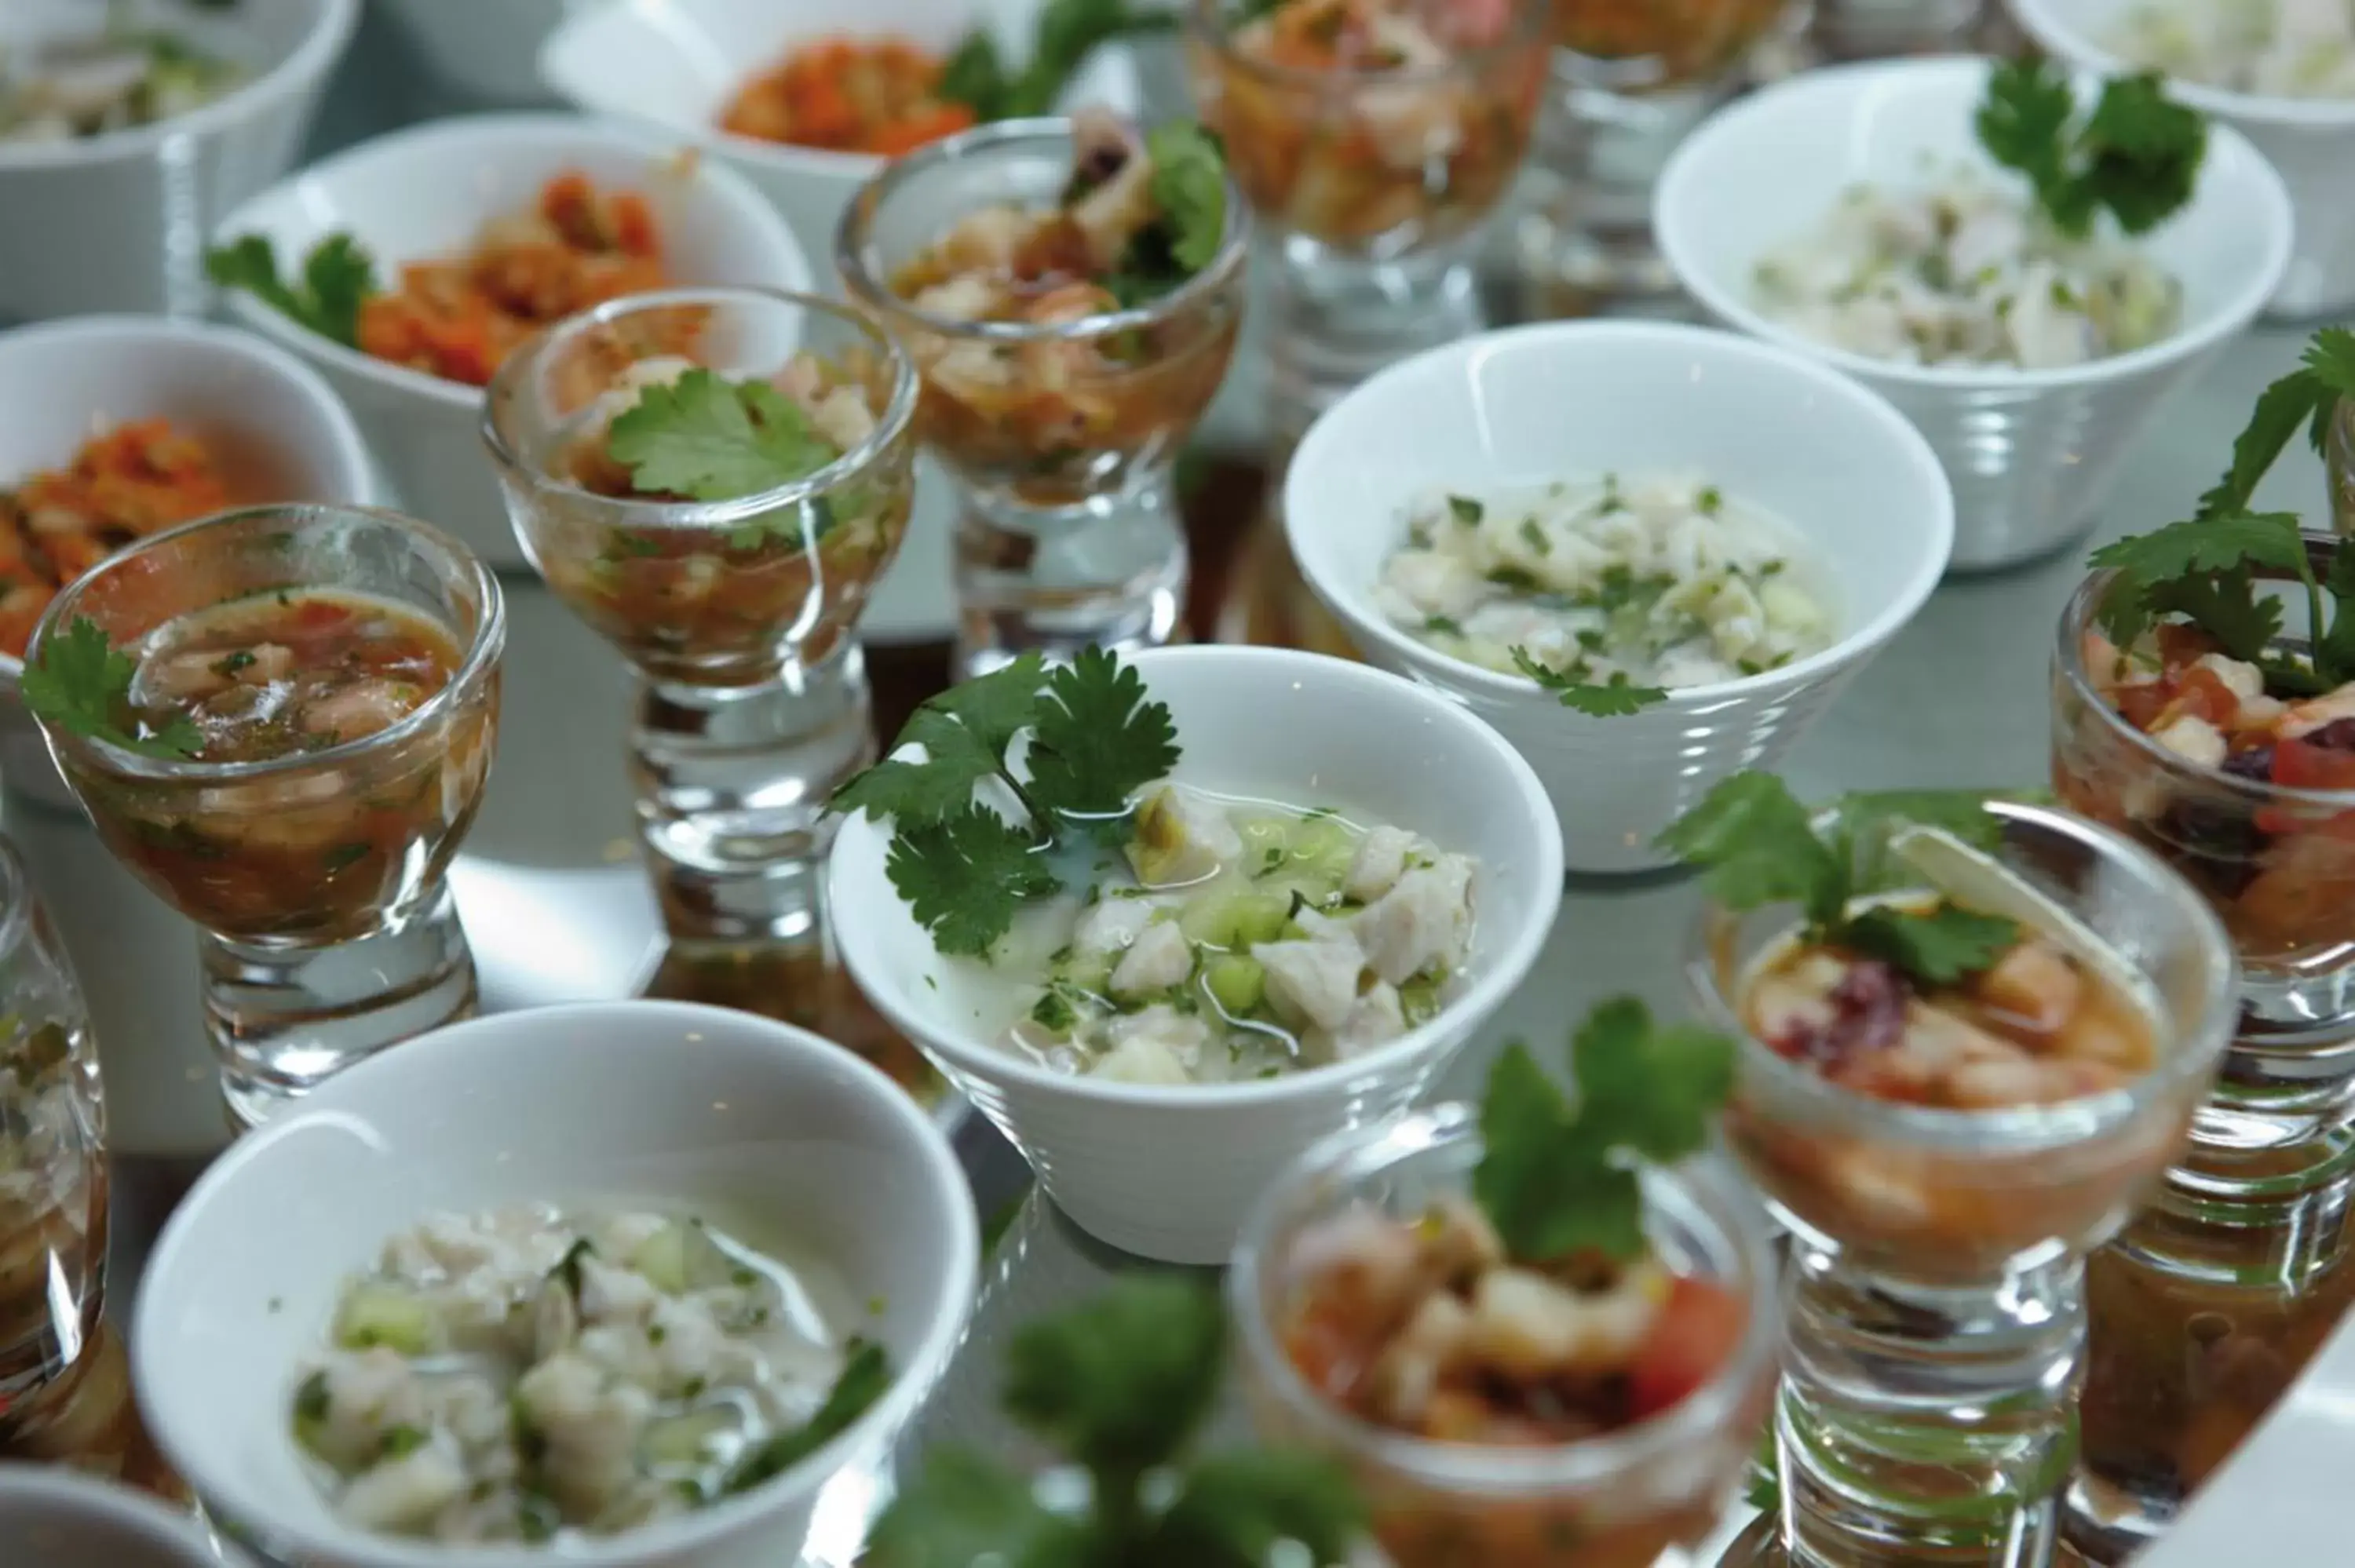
(1648,555)
(2280,72)
(611,1283)
(1168,917)
(1879,217)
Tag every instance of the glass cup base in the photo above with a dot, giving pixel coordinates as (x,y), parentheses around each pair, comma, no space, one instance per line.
(283,1017)
(1873,29)
(1109,573)
(1340,320)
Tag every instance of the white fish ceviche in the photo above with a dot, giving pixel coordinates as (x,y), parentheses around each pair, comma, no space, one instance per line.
(1658,581)
(532,1372)
(2272,49)
(116,81)
(1964,271)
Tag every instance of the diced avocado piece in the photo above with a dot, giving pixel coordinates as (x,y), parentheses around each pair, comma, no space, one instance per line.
(373,1315)
(1236,983)
(686,1439)
(1233,919)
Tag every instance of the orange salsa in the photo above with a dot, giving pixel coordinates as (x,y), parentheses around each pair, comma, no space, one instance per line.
(460,317)
(135,479)
(849,95)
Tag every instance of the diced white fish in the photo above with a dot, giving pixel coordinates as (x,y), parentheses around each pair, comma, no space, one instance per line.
(406,1492)
(1110,925)
(1422,922)
(1158,959)
(1379,861)
(1313,982)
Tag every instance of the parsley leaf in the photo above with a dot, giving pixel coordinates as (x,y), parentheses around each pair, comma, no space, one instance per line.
(1556,1180)
(1602,699)
(81,684)
(1121,1383)
(1758,846)
(1066,34)
(337,276)
(915,794)
(1189,185)
(714,439)
(965,876)
(2136,156)
(865,1377)
(2206,569)
(1939,946)
(1097,739)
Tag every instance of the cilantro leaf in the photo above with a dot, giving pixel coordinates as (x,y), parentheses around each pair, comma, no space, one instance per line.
(976,77)
(2227,606)
(1066,34)
(1097,738)
(1759,847)
(1549,1192)
(2308,396)
(916,794)
(2205,570)
(965,876)
(865,1377)
(1613,698)
(2209,545)
(2335,650)
(1939,946)
(998,705)
(1121,1382)
(1234,1509)
(2136,156)
(2020,122)
(81,684)
(713,440)
(1189,185)
(1653,1087)
(961,1509)
(337,276)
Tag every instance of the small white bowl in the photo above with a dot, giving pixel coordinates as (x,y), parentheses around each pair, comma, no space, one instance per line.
(2310,142)
(662,1104)
(2031,452)
(54,1517)
(427,192)
(488,50)
(118,222)
(1170,1172)
(1531,405)
(64,382)
(675,65)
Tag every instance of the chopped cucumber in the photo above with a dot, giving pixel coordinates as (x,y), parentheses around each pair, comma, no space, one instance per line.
(1322,849)
(680,1257)
(1419,1001)
(1225,918)
(688,1439)
(385,1315)
(1236,983)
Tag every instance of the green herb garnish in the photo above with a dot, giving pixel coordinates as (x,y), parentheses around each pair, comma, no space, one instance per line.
(1603,699)
(865,1376)
(1190,190)
(1121,1386)
(81,684)
(1557,1178)
(965,865)
(337,275)
(2307,396)
(2136,156)
(1067,33)
(709,438)
(1760,846)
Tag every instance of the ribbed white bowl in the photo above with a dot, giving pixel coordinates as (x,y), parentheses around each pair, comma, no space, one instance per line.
(1574,399)
(1170,1172)
(53,1516)
(2030,453)
(2310,142)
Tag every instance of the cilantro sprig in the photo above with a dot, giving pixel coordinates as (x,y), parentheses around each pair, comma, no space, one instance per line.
(1189,189)
(1557,1178)
(337,276)
(1759,846)
(959,856)
(1121,1386)
(81,684)
(1609,698)
(2306,396)
(2207,570)
(1068,31)
(2136,156)
(710,439)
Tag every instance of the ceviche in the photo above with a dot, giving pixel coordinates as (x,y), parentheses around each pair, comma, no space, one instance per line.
(1688,39)
(2274,48)
(1968,269)
(535,1373)
(1145,931)
(850,95)
(1609,591)
(1541,1310)
(1056,412)
(1372,125)
(459,317)
(122,79)
(134,480)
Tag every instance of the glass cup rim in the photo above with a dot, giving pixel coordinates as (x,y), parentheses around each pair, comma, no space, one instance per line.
(2069,656)
(1205,22)
(851,244)
(890,424)
(2017,1130)
(1508,1471)
(16,900)
(482,649)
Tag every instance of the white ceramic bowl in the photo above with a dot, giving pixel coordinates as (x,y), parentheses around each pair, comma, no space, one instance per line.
(487,50)
(662,1104)
(428,192)
(118,222)
(63,382)
(2310,142)
(1170,1172)
(2031,452)
(1531,404)
(53,1517)
(675,64)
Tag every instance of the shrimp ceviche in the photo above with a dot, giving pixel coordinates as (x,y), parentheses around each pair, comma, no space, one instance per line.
(135,479)
(849,95)
(2272,49)
(534,1374)
(118,80)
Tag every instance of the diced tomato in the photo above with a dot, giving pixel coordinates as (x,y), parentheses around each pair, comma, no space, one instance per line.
(2141,704)
(2202,694)
(2180,643)
(319,615)
(1324,1349)
(1694,1334)
(2300,765)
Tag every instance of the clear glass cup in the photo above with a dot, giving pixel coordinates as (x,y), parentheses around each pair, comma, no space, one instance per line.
(1628,80)
(739,616)
(318,880)
(1936,1319)
(2208,1306)
(1373,183)
(1061,438)
(1618,1501)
